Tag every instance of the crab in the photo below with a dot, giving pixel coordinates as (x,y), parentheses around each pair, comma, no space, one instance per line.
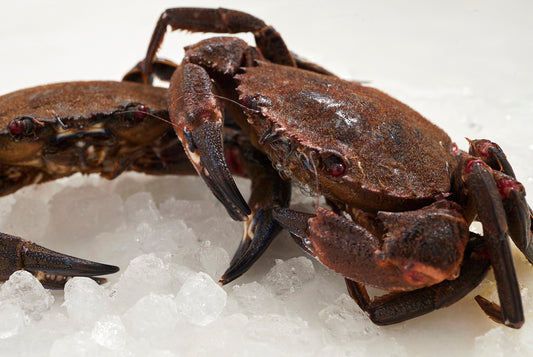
(402,195)
(97,127)
(56,130)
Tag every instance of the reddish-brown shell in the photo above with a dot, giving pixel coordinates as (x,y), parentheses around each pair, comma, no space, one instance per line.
(77,99)
(78,105)
(395,158)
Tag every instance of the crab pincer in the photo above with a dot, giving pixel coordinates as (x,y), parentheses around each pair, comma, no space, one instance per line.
(51,268)
(199,126)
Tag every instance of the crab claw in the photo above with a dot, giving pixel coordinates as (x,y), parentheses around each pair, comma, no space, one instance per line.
(198,119)
(260,230)
(204,147)
(297,224)
(53,269)
(396,257)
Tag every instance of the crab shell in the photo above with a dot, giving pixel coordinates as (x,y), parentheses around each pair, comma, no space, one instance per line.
(394,158)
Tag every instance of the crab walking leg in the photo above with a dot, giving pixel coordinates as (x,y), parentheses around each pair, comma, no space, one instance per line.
(220,20)
(492,155)
(269,190)
(198,119)
(519,217)
(482,188)
(397,307)
(518,213)
(53,269)
(161,68)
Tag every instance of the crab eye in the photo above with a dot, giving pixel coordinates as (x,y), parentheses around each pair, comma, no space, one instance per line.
(135,111)
(334,166)
(21,126)
(140,111)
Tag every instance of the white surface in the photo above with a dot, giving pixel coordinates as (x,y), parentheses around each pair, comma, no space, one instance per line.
(464,65)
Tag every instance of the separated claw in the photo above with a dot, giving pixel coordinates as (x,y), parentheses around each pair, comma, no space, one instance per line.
(53,269)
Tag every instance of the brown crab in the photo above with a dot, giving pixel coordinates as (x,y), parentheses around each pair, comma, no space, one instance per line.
(104,127)
(410,193)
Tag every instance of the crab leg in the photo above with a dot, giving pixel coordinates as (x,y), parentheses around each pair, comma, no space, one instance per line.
(482,188)
(519,214)
(519,217)
(492,155)
(397,307)
(220,20)
(51,268)
(268,191)
(357,254)
(161,68)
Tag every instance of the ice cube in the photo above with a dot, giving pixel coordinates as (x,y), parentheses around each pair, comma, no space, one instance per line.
(140,207)
(77,344)
(86,301)
(109,332)
(11,319)
(344,321)
(152,316)
(213,259)
(146,273)
(287,277)
(278,329)
(254,298)
(200,300)
(24,290)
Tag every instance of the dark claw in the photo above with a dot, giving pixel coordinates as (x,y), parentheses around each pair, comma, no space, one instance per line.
(293,221)
(297,224)
(491,214)
(53,269)
(519,222)
(206,139)
(264,229)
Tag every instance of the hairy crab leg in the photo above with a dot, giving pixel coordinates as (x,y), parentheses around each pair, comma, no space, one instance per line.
(491,213)
(519,218)
(268,189)
(53,269)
